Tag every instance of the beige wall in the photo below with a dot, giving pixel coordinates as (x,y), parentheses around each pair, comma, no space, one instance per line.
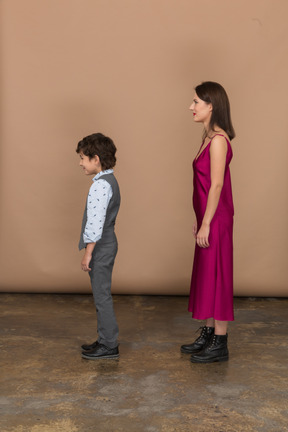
(127,68)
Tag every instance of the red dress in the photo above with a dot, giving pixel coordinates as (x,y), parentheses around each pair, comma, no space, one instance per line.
(211,293)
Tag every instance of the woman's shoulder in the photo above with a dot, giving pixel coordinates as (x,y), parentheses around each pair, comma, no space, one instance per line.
(219,143)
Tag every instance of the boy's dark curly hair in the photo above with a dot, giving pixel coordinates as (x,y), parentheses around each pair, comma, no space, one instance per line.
(100,145)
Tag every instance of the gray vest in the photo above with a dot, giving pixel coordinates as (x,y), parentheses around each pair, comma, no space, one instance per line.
(108,234)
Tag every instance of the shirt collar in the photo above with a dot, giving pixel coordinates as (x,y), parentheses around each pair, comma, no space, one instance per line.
(101,173)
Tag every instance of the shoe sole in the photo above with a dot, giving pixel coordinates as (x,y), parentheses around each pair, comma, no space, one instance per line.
(190,352)
(217,359)
(108,357)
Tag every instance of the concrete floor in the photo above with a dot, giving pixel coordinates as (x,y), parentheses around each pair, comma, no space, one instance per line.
(47,386)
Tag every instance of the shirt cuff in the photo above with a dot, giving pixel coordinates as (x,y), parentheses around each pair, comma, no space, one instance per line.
(88,239)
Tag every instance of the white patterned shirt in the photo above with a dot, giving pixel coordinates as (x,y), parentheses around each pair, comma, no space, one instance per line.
(99,196)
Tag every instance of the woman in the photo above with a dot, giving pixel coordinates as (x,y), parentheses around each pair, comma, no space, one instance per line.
(211,295)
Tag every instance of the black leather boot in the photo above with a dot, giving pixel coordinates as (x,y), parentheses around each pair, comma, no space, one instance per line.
(215,351)
(204,338)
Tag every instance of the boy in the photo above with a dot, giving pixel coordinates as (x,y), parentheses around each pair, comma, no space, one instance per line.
(97,158)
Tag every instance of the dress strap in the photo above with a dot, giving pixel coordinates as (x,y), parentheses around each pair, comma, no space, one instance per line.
(218,135)
(222,136)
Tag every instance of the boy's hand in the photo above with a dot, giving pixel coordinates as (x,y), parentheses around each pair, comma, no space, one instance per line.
(85,262)
(87,257)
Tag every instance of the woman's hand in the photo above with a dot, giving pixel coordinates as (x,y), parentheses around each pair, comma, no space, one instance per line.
(202,237)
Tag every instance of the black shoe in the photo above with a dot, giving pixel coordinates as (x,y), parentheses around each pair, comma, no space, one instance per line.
(92,346)
(101,352)
(200,343)
(215,351)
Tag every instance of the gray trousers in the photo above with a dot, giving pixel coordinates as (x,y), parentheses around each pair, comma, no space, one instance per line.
(101,265)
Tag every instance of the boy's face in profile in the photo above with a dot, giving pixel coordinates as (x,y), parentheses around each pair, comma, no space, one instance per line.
(90,166)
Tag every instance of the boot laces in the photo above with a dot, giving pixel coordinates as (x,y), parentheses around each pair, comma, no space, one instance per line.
(212,343)
(203,332)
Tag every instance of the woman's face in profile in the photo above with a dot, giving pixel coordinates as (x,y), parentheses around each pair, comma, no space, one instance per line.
(201,110)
